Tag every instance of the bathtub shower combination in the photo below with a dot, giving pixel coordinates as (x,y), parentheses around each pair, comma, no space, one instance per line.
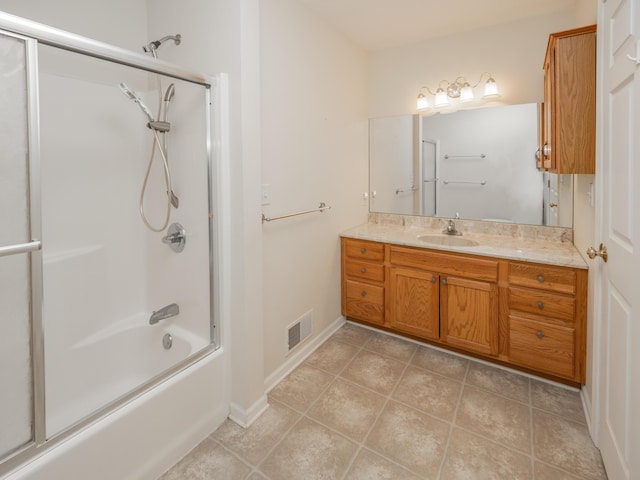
(107,247)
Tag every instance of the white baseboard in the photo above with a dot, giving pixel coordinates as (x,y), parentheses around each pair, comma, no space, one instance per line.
(588,414)
(245,417)
(301,354)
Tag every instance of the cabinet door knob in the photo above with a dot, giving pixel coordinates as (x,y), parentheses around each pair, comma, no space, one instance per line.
(540,305)
(363,270)
(363,250)
(540,278)
(539,334)
(444,281)
(363,293)
(433,279)
(546,150)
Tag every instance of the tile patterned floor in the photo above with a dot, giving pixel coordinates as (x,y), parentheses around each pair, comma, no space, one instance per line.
(368,406)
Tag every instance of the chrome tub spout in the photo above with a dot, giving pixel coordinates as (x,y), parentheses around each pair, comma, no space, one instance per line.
(165,312)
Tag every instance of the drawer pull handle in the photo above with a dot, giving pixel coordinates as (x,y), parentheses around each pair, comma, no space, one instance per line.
(363,270)
(363,250)
(539,334)
(363,293)
(540,278)
(540,305)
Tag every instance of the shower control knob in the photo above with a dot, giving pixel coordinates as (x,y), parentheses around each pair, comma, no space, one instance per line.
(176,237)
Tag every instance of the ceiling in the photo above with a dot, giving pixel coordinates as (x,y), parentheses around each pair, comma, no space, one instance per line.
(380,24)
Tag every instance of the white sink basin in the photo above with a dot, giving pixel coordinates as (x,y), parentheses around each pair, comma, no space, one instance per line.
(448,240)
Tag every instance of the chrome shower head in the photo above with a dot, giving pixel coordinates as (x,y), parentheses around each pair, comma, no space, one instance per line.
(151,47)
(133,96)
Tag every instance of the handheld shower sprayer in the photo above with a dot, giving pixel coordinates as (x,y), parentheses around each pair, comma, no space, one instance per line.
(133,96)
(171,91)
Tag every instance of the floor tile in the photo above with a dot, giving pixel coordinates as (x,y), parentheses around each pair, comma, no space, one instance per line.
(208,461)
(567,445)
(429,392)
(310,451)
(440,362)
(495,417)
(391,346)
(374,371)
(499,381)
(301,387)
(473,457)
(252,444)
(546,472)
(347,408)
(370,466)
(411,438)
(332,356)
(558,400)
(353,334)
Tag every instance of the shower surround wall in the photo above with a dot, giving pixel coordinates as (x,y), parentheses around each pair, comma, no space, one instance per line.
(104,271)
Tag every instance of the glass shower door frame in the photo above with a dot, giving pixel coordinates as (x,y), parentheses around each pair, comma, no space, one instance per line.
(34,246)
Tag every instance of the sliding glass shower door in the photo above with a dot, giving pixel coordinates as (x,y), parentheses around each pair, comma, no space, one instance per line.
(16,360)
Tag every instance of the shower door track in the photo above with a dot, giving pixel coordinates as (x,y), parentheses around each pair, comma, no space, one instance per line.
(34,33)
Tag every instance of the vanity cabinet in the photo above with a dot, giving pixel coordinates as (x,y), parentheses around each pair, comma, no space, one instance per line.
(457,297)
(569,117)
(363,278)
(525,315)
(546,318)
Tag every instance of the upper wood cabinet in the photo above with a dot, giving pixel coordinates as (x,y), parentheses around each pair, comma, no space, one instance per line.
(569,115)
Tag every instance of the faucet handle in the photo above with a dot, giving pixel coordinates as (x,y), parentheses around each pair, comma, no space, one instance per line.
(457,215)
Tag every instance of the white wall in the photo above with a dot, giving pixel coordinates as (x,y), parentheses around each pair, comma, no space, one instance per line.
(314,137)
(512,52)
(118,22)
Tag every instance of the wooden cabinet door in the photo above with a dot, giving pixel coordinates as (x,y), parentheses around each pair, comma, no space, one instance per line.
(469,314)
(414,302)
(549,122)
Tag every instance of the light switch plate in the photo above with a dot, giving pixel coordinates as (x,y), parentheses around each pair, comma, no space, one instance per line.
(266,194)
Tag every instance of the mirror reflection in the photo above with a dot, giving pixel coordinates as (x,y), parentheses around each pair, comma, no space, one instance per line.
(478,164)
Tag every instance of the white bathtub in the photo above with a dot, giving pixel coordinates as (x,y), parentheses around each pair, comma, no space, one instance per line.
(144,437)
(95,371)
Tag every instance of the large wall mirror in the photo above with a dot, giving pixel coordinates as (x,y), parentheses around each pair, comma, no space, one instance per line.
(478,164)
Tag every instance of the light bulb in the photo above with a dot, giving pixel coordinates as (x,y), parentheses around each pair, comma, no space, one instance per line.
(491,89)
(422,102)
(466,94)
(441,98)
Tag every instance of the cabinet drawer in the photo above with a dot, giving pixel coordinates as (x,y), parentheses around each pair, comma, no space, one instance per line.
(544,347)
(462,266)
(367,271)
(365,301)
(364,250)
(561,307)
(545,277)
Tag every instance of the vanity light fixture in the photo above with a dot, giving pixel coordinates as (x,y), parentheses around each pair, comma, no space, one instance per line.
(459,89)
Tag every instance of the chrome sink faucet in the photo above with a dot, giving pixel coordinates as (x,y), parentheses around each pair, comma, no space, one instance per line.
(451,227)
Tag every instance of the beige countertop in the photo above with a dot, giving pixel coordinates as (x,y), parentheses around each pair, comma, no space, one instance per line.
(552,252)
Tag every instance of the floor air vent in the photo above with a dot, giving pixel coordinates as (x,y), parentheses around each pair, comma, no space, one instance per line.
(299,330)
